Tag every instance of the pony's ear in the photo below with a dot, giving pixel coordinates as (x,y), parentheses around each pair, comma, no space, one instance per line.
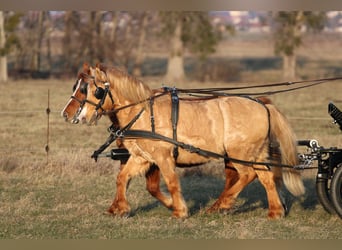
(86,68)
(100,74)
(92,71)
(102,67)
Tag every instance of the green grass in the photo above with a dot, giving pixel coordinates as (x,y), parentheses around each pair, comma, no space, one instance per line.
(70,207)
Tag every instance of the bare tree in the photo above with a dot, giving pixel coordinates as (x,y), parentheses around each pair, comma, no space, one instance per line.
(288,35)
(8,40)
(139,53)
(175,68)
(37,49)
(190,30)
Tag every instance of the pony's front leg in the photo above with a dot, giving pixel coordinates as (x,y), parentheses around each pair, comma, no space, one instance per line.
(153,186)
(120,204)
(167,168)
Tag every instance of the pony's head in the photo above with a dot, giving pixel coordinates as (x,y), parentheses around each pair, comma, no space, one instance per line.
(76,101)
(110,89)
(99,97)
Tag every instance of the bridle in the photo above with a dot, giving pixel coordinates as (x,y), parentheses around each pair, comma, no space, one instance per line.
(100,94)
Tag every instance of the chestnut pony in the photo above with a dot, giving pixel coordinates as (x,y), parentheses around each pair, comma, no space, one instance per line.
(239,127)
(70,113)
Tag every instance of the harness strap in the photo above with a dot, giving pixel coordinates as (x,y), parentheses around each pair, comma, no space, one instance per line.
(190,148)
(174,118)
(121,132)
(152,114)
(112,137)
(115,132)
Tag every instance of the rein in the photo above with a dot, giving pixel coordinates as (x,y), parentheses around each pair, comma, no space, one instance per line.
(207,93)
(214,90)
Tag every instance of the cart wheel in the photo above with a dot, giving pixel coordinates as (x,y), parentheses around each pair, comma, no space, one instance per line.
(322,189)
(336,190)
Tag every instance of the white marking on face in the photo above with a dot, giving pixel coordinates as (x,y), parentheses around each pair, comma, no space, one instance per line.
(83,115)
(73,94)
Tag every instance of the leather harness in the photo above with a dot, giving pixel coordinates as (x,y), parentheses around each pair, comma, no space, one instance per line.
(127,132)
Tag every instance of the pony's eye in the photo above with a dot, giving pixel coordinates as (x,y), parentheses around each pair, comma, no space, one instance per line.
(83,88)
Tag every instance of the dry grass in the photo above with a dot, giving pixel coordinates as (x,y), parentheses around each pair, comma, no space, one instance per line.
(65,196)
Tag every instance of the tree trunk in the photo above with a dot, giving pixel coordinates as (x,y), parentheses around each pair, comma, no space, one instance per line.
(3,58)
(140,56)
(114,25)
(126,50)
(175,67)
(36,60)
(98,38)
(289,67)
(290,60)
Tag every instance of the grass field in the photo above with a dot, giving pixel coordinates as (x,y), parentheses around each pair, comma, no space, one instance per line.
(65,195)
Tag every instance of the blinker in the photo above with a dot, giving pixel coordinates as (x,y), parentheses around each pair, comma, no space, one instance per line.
(99,93)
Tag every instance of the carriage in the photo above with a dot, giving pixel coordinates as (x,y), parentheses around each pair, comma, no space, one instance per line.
(329,170)
(157,129)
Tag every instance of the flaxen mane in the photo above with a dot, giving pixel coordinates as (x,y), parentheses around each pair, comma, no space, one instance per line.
(129,87)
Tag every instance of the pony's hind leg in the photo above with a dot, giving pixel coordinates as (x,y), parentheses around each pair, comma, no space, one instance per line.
(153,186)
(271,180)
(276,208)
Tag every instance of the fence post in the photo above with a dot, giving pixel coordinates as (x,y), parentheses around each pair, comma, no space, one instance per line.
(48,111)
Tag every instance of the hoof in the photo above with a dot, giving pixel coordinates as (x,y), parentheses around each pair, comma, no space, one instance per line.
(276,215)
(180,214)
(117,212)
(219,208)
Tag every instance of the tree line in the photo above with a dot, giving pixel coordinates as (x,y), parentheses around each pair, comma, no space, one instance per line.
(33,40)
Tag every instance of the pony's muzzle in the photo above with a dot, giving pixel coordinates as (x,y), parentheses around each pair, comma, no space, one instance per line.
(94,118)
(65,116)
(75,120)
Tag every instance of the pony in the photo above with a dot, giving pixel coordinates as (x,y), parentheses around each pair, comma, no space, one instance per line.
(74,106)
(239,127)
(70,113)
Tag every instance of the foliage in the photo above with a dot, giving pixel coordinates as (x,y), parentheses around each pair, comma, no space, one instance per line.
(288,29)
(11,22)
(198,35)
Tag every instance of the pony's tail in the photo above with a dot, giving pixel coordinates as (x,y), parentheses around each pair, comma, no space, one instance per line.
(282,134)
